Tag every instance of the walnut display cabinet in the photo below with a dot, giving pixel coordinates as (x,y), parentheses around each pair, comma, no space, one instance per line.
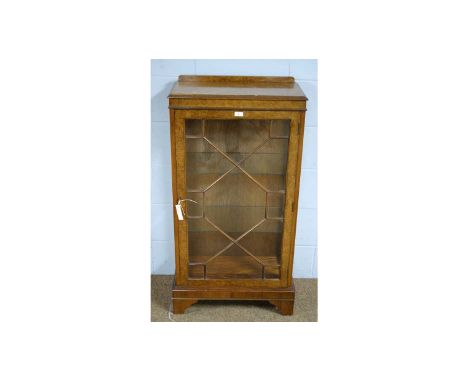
(236,146)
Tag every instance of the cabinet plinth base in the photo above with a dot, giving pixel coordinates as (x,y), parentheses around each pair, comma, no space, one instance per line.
(282,298)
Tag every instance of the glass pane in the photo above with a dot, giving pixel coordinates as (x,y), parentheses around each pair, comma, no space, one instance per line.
(235,173)
(235,204)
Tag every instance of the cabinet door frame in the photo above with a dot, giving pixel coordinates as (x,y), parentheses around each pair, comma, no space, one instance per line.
(178,118)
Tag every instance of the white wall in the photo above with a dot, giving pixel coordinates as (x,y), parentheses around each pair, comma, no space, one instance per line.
(163,75)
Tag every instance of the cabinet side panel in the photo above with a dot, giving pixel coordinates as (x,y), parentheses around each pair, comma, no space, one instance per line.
(174,192)
(290,202)
(296,196)
(180,190)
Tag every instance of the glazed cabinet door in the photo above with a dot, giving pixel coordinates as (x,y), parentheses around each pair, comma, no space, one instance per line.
(235,184)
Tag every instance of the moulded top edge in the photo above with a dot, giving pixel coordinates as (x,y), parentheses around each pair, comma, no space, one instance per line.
(237,87)
(237,79)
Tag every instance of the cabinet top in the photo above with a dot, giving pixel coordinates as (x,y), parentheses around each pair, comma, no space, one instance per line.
(237,87)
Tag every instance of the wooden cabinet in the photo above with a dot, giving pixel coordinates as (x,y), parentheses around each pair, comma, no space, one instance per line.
(236,160)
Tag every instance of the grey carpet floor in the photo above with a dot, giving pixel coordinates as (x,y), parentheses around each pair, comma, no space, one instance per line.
(305,306)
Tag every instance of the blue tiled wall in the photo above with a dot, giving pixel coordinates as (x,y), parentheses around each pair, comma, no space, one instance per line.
(163,75)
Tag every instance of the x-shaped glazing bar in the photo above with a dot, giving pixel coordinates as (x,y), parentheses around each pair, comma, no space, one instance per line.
(235,164)
(234,241)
